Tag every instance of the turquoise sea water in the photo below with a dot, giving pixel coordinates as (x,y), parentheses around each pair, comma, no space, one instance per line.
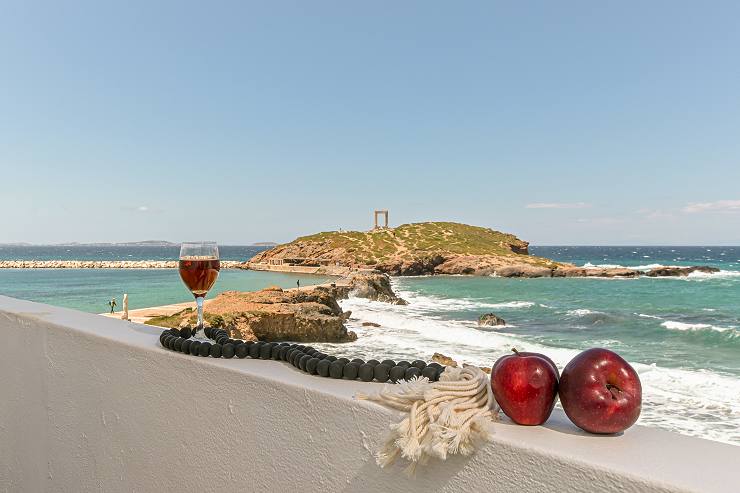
(90,289)
(682,334)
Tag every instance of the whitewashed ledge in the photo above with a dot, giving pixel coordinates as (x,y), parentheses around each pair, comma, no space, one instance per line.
(103,264)
(95,404)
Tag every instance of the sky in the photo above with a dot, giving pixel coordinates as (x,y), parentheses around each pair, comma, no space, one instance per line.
(562,122)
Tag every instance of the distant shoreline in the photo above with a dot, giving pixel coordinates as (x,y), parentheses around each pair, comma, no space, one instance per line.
(105,264)
(133,244)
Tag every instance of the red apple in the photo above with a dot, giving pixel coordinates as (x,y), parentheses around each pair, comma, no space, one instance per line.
(601,392)
(525,386)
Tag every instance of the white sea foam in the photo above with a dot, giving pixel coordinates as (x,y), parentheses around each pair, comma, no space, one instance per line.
(713,275)
(582,312)
(435,303)
(589,265)
(694,402)
(644,268)
(643,315)
(673,325)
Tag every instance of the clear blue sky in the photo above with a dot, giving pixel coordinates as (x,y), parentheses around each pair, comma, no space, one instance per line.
(562,122)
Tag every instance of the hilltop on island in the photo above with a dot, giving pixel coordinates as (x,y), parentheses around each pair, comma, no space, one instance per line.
(429,248)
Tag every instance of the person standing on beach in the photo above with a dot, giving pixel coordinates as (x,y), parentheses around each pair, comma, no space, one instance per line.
(112,303)
(298,283)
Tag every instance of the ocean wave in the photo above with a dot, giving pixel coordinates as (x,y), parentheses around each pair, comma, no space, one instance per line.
(673,398)
(673,325)
(436,303)
(582,312)
(645,267)
(643,315)
(713,275)
(512,304)
(589,265)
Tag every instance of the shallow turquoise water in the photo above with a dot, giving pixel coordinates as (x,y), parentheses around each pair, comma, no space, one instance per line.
(90,289)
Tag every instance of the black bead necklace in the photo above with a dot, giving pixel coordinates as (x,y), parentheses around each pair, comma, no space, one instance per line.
(305,358)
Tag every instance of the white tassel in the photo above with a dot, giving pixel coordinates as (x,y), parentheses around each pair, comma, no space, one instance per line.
(450,416)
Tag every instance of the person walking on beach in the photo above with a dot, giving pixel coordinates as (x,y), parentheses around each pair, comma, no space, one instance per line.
(112,304)
(298,283)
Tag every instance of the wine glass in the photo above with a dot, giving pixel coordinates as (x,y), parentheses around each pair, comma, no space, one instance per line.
(199,265)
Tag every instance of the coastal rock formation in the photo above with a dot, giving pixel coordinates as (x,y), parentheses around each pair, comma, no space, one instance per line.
(306,315)
(680,271)
(447,361)
(444,360)
(374,286)
(491,319)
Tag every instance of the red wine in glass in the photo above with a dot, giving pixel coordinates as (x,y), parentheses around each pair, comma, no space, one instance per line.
(199,266)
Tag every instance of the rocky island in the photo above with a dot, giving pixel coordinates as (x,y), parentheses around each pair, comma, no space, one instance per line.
(432,248)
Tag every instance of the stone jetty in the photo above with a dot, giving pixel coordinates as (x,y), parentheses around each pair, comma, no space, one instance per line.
(103,264)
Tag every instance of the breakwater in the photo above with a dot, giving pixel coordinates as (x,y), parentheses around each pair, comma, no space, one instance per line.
(104,264)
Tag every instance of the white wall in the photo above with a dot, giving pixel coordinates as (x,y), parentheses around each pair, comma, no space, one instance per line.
(94,404)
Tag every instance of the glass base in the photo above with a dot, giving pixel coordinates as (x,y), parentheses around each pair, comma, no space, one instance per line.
(199,334)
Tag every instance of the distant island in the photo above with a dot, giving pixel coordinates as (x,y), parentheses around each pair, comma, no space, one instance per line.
(154,243)
(145,243)
(431,248)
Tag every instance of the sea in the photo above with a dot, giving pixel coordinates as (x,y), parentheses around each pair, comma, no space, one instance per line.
(682,335)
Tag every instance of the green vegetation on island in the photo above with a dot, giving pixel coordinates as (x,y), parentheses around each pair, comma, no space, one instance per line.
(430,238)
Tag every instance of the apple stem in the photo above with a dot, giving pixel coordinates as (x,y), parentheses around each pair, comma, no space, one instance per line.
(515,351)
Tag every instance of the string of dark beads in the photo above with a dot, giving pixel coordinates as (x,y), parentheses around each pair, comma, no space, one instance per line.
(305,358)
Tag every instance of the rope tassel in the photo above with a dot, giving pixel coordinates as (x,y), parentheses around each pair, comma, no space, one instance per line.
(446,417)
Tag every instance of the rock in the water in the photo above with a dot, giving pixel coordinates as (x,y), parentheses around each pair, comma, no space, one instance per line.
(370,324)
(523,270)
(374,286)
(444,360)
(491,319)
(680,271)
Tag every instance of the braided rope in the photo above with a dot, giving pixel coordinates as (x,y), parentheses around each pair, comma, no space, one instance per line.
(444,418)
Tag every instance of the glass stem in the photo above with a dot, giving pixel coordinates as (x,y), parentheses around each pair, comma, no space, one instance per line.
(199,326)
